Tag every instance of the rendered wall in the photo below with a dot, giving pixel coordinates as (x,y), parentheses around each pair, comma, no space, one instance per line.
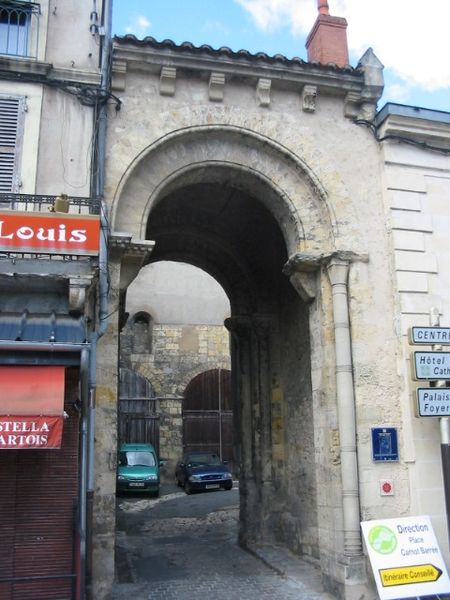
(417,208)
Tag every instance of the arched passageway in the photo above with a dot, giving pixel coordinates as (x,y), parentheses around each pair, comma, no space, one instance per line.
(251,214)
(210,218)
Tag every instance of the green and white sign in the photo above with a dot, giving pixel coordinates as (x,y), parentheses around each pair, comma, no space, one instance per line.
(405,558)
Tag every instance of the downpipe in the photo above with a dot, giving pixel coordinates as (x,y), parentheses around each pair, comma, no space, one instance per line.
(103,282)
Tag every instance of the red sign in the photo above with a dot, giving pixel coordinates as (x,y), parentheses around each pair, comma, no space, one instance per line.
(53,233)
(30,432)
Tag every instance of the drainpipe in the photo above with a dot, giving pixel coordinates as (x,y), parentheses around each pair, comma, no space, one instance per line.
(338,273)
(82,498)
(103,284)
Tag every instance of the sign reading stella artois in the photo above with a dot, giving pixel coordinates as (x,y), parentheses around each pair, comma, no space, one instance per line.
(53,233)
(20,432)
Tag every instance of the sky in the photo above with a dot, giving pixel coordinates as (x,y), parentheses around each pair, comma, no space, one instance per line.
(410,37)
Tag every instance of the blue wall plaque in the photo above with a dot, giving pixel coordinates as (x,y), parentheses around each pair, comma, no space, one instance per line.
(384,443)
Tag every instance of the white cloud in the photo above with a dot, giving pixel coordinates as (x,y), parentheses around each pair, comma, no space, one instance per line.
(410,37)
(269,15)
(139,26)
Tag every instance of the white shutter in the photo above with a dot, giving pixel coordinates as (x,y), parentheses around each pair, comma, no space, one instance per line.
(11,113)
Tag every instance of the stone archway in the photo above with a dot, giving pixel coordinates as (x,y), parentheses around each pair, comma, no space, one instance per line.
(239,206)
(248,212)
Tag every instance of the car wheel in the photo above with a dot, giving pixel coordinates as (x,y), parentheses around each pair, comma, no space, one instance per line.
(187,487)
(177,481)
(229,486)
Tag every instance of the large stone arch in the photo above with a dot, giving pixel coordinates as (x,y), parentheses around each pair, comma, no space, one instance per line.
(285,184)
(281,340)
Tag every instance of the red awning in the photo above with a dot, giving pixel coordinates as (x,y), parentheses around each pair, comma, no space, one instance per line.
(26,390)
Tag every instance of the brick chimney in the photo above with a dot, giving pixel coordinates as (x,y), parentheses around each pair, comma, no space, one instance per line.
(327,42)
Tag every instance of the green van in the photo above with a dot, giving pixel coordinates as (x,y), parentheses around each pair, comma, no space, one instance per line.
(138,469)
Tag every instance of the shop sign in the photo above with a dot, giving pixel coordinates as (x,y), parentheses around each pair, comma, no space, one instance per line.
(53,233)
(405,558)
(24,432)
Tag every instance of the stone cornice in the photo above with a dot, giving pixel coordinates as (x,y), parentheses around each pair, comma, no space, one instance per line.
(417,129)
(33,71)
(288,74)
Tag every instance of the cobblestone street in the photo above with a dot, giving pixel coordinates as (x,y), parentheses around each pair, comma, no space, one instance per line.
(181,547)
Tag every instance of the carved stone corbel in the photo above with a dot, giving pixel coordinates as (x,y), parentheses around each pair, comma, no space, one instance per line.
(78,287)
(301,270)
(263,92)
(167,81)
(216,87)
(119,75)
(309,96)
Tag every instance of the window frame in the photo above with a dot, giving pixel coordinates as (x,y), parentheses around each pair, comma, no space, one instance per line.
(12,111)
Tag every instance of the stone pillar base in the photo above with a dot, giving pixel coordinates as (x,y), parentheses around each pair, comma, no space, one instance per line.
(353,581)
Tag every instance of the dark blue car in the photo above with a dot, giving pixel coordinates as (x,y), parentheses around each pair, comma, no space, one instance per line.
(203,471)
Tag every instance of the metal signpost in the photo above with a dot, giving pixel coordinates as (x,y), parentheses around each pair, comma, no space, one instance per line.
(434,401)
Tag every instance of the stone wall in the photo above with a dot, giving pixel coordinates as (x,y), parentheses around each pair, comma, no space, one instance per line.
(176,355)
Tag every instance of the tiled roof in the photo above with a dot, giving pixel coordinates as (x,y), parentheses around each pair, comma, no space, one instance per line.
(225,52)
(28,327)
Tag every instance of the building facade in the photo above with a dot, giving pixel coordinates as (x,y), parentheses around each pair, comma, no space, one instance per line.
(53,90)
(250,168)
(323,221)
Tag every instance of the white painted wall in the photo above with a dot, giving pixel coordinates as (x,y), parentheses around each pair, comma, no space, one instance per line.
(178,293)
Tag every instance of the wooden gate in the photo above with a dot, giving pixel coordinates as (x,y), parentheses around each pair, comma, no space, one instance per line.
(208,414)
(138,418)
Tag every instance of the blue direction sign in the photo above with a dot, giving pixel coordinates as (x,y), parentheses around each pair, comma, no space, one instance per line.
(433,402)
(431,366)
(430,335)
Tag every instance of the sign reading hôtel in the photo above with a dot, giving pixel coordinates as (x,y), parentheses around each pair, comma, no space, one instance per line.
(53,233)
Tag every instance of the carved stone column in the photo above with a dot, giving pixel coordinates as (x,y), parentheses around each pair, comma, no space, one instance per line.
(252,372)
(338,269)
(240,329)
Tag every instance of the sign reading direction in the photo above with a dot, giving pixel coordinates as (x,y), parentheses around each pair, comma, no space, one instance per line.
(431,366)
(405,558)
(430,335)
(433,402)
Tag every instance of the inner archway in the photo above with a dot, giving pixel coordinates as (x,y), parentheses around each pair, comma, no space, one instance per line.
(211,219)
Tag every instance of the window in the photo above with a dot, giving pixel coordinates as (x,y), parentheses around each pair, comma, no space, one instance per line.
(11,129)
(19,23)
(142,333)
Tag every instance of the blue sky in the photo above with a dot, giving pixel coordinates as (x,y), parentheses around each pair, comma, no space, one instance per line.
(410,37)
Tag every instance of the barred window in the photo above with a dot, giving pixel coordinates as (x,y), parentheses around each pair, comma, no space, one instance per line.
(19,21)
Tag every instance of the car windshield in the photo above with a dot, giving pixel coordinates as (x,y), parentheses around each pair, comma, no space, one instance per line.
(137,458)
(207,458)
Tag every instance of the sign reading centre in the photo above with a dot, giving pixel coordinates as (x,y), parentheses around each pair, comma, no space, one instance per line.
(405,558)
(430,335)
(53,233)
